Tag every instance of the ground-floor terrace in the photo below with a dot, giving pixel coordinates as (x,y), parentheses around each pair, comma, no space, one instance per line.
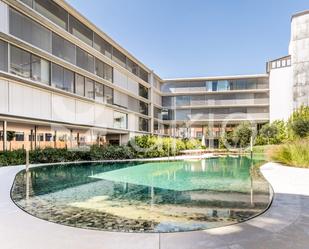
(31,134)
(284,225)
(18,133)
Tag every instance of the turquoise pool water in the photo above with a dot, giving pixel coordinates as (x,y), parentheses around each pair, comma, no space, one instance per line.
(167,196)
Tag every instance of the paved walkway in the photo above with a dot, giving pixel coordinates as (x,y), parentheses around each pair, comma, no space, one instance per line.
(284,225)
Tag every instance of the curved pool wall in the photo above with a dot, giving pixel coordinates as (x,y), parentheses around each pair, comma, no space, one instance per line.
(164,196)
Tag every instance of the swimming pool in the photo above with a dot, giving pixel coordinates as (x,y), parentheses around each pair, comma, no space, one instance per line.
(165,196)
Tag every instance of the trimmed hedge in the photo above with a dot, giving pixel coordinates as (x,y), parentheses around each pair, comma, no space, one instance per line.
(139,147)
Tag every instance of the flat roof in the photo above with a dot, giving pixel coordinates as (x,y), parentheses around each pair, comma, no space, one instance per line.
(300,13)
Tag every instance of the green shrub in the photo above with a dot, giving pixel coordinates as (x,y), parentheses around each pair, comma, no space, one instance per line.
(294,153)
(298,123)
(15,157)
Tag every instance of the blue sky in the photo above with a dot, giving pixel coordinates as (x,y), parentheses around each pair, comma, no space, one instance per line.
(192,38)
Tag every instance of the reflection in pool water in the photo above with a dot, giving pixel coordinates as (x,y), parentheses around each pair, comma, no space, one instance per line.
(145,196)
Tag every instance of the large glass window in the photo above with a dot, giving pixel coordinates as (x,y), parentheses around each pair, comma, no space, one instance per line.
(143,74)
(29,66)
(28,2)
(80,30)
(108,95)
(64,49)
(89,88)
(119,57)
(62,78)
(103,70)
(52,11)
(157,113)
(143,124)
(143,108)
(103,46)
(183,101)
(143,91)
(3,56)
(39,69)
(20,62)
(29,31)
(132,67)
(120,120)
(108,72)
(79,85)
(99,92)
(84,60)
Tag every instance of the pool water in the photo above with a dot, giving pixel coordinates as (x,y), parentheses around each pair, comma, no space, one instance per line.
(165,196)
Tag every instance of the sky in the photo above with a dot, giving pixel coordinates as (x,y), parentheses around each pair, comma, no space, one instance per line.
(196,38)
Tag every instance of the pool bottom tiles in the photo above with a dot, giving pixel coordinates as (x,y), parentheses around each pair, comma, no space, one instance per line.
(145,197)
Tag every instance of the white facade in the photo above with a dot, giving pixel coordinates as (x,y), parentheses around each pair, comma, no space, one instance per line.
(280,93)
(299,51)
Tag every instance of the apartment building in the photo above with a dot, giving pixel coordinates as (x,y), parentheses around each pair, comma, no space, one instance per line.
(65,83)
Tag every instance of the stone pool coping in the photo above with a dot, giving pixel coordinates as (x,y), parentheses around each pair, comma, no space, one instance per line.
(284,225)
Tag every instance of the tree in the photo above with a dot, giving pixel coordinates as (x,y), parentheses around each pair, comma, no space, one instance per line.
(298,123)
(301,128)
(268,131)
(274,133)
(242,135)
(10,135)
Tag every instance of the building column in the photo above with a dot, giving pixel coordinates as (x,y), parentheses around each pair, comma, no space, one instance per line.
(150,96)
(5,135)
(31,139)
(55,139)
(35,136)
(71,139)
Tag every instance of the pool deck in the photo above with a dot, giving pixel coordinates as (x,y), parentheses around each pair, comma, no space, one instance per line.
(284,225)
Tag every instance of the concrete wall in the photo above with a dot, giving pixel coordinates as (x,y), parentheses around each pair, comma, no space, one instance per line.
(280,93)
(299,50)
(21,100)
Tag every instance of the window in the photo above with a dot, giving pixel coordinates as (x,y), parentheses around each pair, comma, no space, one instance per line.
(133,104)
(157,113)
(52,11)
(223,85)
(19,136)
(79,85)
(143,74)
(48,137)
(108,95)
(20,62)
(62,78)
(89,88)
(143,124)
(119,57)
(39,70)
(132,67)
(63,49)
(103,46)
(143,108)
(99,89)
(182,101)
(84,60)
(108,72)
(80,30)
(120,120)
(28,2)
(29,66)
(103,70)
(143,91)
(40,137)
(3,56)
(29,31)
